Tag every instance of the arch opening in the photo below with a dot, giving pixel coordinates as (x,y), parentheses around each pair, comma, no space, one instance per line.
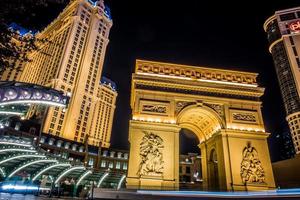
(190,172)
(198,124)
(201,120)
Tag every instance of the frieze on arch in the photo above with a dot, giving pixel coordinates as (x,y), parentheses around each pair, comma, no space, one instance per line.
(251,167)
(151,155)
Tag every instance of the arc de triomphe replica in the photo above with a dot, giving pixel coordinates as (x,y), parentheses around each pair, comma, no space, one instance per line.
(221,107)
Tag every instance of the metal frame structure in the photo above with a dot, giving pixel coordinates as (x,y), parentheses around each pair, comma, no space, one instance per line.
(102,179)
(83,176)
(67,171)
(21,156)
(121,181)
(22,166)
(25,93)
(17,154)
(39,173)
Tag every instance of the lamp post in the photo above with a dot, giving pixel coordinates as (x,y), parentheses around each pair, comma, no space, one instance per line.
(92,191)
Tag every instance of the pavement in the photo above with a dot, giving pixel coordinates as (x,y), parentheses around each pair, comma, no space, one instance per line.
(168,195)
(194,195)
(7,196)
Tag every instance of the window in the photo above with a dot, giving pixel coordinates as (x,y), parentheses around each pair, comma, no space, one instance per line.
(91,162)
(125,166)
(298,62)
(292,41)
(112,154)
(119,154)
(111,165)
(288,16)
(103,163)
(51,125)
(188,170)
(118,165)
(295,51)
(105,153)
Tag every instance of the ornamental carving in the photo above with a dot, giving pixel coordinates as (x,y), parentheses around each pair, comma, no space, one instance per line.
(154,108)
(216,107)
(181,104)
(191,72)
(248,117)
(251,167)
(151,155)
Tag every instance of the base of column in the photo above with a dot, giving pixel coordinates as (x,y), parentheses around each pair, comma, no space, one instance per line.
(151,183)
(252,187)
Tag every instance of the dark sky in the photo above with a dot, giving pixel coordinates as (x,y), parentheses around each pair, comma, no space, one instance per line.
(221,34)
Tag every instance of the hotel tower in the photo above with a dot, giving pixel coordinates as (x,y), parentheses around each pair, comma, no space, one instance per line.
(283,31)
(71,61)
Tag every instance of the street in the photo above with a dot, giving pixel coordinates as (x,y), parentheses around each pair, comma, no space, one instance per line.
(7,196)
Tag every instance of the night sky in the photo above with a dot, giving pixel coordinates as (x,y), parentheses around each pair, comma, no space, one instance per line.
(220,34)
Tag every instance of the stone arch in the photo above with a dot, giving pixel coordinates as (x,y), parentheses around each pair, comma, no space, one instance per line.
(221,107)
(202,120)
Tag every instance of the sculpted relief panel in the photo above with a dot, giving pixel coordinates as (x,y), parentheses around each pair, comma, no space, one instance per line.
(154,108)
(151,155)
(248,117)
(251,167)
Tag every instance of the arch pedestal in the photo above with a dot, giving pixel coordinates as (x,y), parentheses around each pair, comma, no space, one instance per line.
(165,173)
(228,146)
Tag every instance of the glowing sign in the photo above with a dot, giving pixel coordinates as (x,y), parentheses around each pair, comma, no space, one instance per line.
(295,26)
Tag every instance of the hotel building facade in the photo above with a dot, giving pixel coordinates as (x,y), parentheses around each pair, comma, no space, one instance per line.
(283,31)
(72,61)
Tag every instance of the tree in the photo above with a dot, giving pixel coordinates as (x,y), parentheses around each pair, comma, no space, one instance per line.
(16,46)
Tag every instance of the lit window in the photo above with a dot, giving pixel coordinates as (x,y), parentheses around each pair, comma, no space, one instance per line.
(111,165)
(118,165)
(91,162)
(119,154)
(105,153)
(125,166)
(112,154)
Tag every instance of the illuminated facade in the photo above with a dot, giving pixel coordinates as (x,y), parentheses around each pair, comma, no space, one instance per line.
(283,30)
(221,107)
(105,105)
(14,73)
(72,61)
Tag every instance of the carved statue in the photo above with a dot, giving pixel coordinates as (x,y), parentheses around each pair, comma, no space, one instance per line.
(251,167)
(151,155)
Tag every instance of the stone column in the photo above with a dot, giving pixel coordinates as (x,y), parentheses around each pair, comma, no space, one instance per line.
(204,159)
